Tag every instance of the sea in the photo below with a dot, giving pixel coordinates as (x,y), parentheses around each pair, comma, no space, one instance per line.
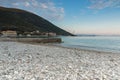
(98,43)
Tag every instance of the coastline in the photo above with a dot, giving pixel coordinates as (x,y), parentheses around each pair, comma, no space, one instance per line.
(37,62)
(72,48)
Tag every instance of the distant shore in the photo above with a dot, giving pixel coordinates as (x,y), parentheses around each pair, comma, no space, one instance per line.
(38,62)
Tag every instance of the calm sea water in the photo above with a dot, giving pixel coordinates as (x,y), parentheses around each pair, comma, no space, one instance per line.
(99,43)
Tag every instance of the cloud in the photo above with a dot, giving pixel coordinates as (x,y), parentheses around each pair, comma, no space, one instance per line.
(27,4)
(101,4)
(44,8)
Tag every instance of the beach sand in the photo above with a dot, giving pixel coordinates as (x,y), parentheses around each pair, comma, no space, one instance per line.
(20,61)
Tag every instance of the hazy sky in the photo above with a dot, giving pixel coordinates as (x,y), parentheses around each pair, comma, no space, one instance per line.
(76,16)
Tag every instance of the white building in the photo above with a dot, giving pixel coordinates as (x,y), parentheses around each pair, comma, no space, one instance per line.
(51,34)
(9,33)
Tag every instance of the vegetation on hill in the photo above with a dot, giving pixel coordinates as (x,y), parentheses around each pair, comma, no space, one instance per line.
(24,21)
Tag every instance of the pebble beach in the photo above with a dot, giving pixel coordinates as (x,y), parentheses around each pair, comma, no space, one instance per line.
(22,61)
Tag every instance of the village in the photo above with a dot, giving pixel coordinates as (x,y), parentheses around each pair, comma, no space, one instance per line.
(29,37)
(37,33)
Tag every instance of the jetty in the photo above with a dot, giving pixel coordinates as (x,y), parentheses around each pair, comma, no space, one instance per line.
(33,40)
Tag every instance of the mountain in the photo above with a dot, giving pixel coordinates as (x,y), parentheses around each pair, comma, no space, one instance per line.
(24,21)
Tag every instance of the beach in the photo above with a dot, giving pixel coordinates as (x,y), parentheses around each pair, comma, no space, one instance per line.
(23,61)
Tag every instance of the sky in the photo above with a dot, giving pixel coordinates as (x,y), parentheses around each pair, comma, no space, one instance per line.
(75,16)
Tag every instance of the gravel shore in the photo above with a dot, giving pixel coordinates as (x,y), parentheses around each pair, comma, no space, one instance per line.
(20,61)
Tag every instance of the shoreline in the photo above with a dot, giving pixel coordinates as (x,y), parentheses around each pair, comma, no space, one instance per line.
(37,41)
(45,62)
(59,46)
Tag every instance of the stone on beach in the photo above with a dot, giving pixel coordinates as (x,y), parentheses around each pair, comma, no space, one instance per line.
(20,61)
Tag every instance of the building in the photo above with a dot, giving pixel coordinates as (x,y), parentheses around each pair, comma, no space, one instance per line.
(51,34)
(9,33)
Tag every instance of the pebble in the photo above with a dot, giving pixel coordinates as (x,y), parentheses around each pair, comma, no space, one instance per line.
(20,61)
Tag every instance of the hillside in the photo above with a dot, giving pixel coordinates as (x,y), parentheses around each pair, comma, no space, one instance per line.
(24,21)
